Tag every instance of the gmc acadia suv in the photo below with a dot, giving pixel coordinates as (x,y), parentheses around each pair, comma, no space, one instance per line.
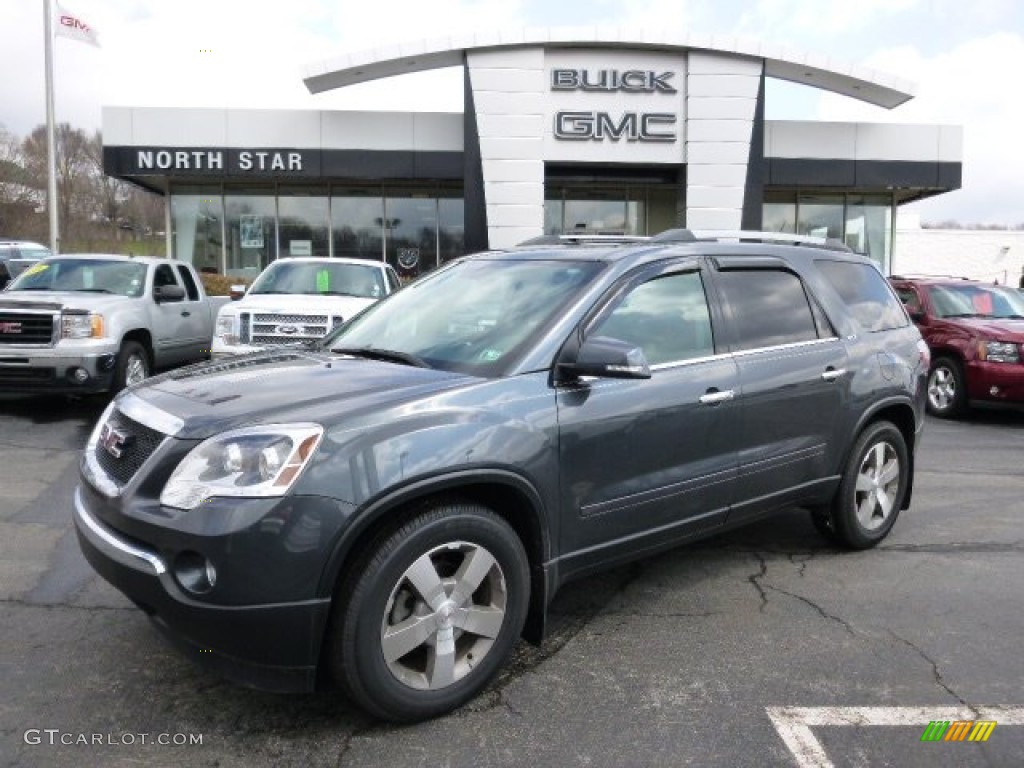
(976,335)
(395,505)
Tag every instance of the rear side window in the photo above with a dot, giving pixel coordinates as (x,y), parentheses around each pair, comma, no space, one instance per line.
(769,307)
(869,297)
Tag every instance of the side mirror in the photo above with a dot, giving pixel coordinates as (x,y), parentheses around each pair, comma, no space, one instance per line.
(168,293)
(608,358)
(236,292)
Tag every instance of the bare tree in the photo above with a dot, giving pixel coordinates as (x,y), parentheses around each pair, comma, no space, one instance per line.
(73,170)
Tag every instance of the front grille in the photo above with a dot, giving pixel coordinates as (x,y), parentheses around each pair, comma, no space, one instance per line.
(138,446)
(26,328)
(27,374)
(270,329)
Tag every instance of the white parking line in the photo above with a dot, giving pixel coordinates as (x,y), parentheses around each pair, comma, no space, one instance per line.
(794,723)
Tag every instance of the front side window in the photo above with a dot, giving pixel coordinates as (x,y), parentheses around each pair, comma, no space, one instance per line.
(863,289)
(474,316)
(769,307)
(666,317)
(83,275)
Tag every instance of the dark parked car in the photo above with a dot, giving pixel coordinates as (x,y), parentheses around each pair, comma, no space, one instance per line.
(16,256)
(976,335)
(394,506)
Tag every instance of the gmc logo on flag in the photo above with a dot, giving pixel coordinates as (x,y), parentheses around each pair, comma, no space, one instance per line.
(71,21)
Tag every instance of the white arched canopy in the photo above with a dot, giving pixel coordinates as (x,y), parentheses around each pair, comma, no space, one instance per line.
(779,62)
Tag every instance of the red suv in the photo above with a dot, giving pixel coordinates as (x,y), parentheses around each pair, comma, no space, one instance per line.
(976,335)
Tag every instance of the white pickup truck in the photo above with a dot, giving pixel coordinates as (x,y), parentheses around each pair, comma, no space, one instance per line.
(300,299)
(96,322)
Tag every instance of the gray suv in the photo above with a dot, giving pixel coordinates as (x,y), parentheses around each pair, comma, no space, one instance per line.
(392,507)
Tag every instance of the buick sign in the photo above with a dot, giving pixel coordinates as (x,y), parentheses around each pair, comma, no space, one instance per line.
(632,80)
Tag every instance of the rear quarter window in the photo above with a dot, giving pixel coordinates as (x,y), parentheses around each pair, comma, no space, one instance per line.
(866,293)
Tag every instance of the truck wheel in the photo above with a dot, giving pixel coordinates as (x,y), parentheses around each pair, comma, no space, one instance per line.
(871,491)
(947,394)
(430,615)
(132,365)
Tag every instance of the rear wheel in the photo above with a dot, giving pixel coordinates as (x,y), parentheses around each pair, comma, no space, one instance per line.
(874,483)
(947,395)
(429,617)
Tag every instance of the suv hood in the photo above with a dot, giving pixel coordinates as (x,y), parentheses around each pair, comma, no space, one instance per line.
(302,385)
(993,328)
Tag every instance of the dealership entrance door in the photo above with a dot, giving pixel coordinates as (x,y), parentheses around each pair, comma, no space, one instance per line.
(611,202)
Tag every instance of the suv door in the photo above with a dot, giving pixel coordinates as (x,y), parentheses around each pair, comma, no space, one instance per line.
(794,384)
(646,462)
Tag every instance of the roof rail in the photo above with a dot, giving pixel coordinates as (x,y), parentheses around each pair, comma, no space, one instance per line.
(923,276)
(583,238)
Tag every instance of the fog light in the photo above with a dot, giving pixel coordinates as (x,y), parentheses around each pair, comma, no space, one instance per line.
(80,375)
(994,391)
(194,572)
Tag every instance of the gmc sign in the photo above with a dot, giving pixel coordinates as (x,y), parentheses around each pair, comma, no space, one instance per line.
(632,126)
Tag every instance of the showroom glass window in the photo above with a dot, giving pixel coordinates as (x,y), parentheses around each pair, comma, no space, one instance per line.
(251,215)
(410,237)
(451,231)
(869,226)
(357,222)
(769,307)
(302,221)
(197,226)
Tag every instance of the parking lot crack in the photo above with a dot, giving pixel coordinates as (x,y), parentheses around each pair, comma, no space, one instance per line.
(56,606)
(824,614)
(755,578)
(801,565)
(936,672)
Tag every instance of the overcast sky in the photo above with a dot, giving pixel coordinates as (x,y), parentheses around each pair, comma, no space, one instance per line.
(965,57)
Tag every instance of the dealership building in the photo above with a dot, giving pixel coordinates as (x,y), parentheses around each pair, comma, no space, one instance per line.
(562,132)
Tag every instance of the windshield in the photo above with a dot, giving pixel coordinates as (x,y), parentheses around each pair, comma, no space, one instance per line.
(476,316)
(973,300)
(124,278)
(303,277)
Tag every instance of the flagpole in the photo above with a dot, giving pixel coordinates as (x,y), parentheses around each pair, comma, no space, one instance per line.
(51,142)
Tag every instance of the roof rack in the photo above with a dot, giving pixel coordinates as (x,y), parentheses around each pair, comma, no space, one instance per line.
(922,276)
(789,238)
(584,238)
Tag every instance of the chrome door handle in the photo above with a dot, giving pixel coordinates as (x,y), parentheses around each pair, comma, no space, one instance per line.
(832,375)
(714,398)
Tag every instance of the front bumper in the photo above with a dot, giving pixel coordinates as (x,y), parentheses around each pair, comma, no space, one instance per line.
(273,646)
(995,382)
(53,370)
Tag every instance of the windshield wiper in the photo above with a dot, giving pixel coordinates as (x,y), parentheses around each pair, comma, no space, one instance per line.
(388,355)
(92,290)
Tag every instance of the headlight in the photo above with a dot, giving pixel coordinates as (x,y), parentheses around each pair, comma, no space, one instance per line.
(998,351)
(226,329)
(251,462)
(81,326)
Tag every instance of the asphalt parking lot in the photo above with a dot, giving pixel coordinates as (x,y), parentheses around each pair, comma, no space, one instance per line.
(765,647)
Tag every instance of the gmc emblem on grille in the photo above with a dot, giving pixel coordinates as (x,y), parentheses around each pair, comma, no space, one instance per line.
(288,330)
(113,441)
(10,327)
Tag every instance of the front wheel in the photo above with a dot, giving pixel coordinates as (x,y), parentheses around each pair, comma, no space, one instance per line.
(947,395)
(873,486)
(427,619)
(132,365)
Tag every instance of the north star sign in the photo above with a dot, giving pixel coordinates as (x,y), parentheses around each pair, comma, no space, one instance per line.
(235,161)
(576,125)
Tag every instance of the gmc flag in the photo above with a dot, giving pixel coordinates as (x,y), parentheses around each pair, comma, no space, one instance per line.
(74,26)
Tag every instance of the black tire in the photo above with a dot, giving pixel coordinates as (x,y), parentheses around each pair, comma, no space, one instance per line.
(130,359)
(947,393)
(863,516)
(367,651)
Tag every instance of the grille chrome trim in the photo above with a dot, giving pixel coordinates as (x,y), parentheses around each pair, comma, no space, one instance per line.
(148,415)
